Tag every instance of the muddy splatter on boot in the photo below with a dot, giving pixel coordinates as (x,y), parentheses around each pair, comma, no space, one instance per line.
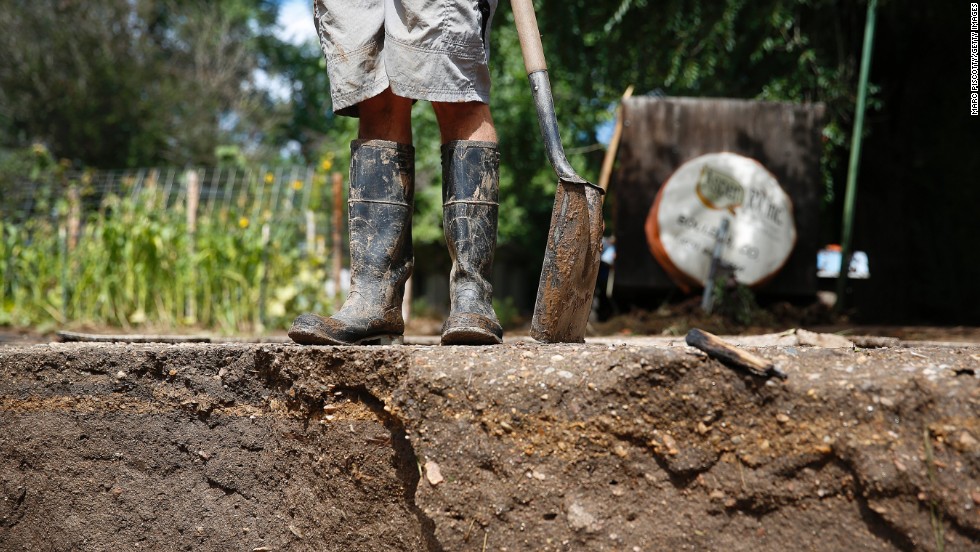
(470,175)
(382,176)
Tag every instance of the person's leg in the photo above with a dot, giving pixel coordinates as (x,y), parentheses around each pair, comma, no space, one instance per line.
(465,121)
(382,187)
(382,178)
(386,117)
(470,169)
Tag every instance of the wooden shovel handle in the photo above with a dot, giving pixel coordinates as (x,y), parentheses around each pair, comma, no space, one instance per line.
(527,31)
(610,158)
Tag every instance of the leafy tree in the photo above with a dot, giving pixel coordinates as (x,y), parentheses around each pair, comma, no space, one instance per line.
(122,83)
(793,50)
(311,122)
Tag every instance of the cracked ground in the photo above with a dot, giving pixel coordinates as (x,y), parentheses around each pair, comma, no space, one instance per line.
(601,446)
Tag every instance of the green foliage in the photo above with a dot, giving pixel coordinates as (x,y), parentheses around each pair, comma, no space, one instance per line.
(136,263)
(310,122)
(735,302)
(508,313)
(421,308)
(780,50)
(30,182)
(124,83)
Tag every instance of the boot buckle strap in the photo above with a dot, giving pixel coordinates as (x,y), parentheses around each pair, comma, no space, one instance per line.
(471,202)
(353,202)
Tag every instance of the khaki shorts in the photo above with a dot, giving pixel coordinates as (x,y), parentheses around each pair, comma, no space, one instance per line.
(433,50)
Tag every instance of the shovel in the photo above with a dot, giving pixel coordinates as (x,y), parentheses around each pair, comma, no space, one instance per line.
(571,258)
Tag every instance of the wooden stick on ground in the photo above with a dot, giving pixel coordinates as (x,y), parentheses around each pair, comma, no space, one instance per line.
(124,338)
(729,354)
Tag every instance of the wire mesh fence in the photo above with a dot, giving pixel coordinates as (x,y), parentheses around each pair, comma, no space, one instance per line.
(233,249)
(281,190)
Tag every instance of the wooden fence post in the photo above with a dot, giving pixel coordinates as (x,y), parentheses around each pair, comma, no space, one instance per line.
(63,250)
(74,216)
(193,198)
(264,280)
(310,233)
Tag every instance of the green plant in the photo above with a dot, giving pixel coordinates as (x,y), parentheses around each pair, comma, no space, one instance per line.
(507,312)
(422,308)
(137,263)
(736,302)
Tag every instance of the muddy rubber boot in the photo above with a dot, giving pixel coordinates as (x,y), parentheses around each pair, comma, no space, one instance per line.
(382,176)
(470,176)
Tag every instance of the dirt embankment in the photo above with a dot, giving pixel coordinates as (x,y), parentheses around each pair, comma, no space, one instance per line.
(515,447)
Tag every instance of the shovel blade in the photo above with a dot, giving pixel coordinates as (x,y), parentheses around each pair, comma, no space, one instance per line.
(571,264)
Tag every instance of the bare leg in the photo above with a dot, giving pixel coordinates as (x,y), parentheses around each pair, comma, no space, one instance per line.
(465,121)
(386,117)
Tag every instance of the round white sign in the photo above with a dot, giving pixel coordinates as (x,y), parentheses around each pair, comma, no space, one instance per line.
(684,220)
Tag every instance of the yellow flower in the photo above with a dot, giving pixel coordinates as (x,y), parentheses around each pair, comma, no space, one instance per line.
(243,222)
(269,178)
(326,164)
(297,185)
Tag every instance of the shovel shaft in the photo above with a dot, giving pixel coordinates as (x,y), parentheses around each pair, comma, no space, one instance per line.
(527,31)
(537,74)
(545,105)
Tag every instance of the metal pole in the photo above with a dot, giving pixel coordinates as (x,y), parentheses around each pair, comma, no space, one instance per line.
(721,239)
(855,160)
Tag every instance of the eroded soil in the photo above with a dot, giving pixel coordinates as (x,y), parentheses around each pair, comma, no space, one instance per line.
(606,446)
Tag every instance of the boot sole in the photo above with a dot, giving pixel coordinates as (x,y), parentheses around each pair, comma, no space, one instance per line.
(305,336)
(469,336)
